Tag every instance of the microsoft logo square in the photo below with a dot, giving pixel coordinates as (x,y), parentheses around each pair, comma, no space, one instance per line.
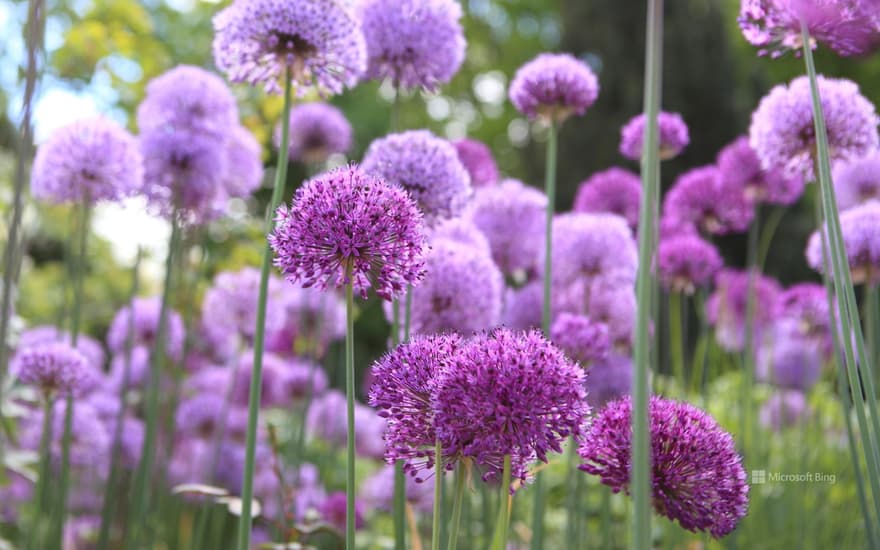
(759,477)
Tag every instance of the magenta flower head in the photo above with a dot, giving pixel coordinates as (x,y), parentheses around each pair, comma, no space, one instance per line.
(317,41)
(697,477)
(701,197)
(478,161)
(54,368)
(512,216)
(553,87)
(726,308)
(317,130)
(686,262)
(425,166)
(588,247)
(860,227)
(413,43)
(615,190)
(782,133)
(89,160)
(858,181)
(582,339)
(741,169)
(509,393)
(348,226)
(673,136)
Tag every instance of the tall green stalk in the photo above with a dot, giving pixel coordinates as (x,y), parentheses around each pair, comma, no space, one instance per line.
(460,476)
(676,337)
(43,489)
(499,540)
(349,410)
(247,486)
(869,305)
(438,504)
(748,353)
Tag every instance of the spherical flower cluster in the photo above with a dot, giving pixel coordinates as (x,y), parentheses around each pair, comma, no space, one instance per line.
(553,87)
(316,42)
(807,305)
(697,477)
(317,130)
(477,159)
(334,511)
(609,379)
(610,302)
(580,338)
(312,320)
(413,43)
(615,190)
(782,131)
(88,160)
(701,197)
(858,181)
(741,169)
(860,228)
(244,170)
(727,307)
(512,216)
(47,334)
(347,226)
(146,327)
(788,360)
(522,306)
(323,419)
(672,136)
(592,246)
(461,231)
(54,368)
(425,166)
(686,262)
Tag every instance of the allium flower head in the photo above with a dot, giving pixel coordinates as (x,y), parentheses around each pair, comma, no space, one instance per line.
(673,136)
(782,132)
(807,305)
(522,306)
(860,228)
(686,262)
(349,226)
(461,231)
(701,197)
(413,43)
(787,359)
(146,327)
(47,334)
(244,172)
(425,166)
(697,477)
(317,130)
(741,169)
(312,320)
(784,408)
(592,246)
(858,181)
(615,190)
(512,216)
(726,308)
(553,87)
(324,421)
(609,379)
(608,301)
(581,339)
(53,368)
(478,161)
(318,41)
(334,511)
(509,393)
(88,160)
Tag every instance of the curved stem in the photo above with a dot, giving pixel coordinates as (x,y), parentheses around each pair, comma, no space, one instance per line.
(460,475)
(349,399)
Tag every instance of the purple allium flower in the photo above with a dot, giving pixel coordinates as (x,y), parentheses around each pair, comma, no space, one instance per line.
(858,181)
(347,226)
(587,247)
(726,307)
(309,493)
(90,440)
(554,87)
(312,320)
(615,190)
(807,305)
(860,228)
(609,379)
(146,326)
(463,232)
(138,368)
(88,160)
(674,227)
(509,393)
(413,43)
(54,368)
(783,409)
(333,511)
(686,262)
(701,197)
(697,476)
(512,216)
(741,169)
(244,170)
(673,136)
(45,334)
(788,360)
(302,380)
(273,387)
(317,41)
(325,419)
(317,130)
(425,166)
(378,491)
(522,309)
(580,338)
(203,415)
(782,126)
(478,161)
(611,303)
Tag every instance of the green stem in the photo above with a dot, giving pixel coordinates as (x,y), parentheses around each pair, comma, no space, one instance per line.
(247,487)
(676,337)
(42,491)
(748,354)
(768,231)
(460,475)
(605,514)
(871,323)
(349,398)
(438,504)
(499,541)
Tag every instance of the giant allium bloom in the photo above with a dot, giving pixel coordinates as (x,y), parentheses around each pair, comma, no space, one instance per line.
(146,327)
(782,126)
(672,136)
(512,216)
(610,302)
(697,477)
(858,181)
(727,307)
(615,190)
(318,41)
(580,338)
(317,130)
(592,246)
(54,368)
(741,169)
(509,393)
(424,165)
(686,262)
(478,161)
(860,228)
(702,198)
(88,160)
(348,226)
(413,43)
(553,87)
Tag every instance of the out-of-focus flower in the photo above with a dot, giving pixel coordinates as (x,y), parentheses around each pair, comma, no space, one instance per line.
(701,197)
(478,161)
(589,247)
(858,181)
(686,262)
(580,338)
(54,368)
(727,307)
(860,228)
(672,136)
(615,190)
(783,409)
(553,87)
(146,327)
(317,130)
(609,379)
(741,169)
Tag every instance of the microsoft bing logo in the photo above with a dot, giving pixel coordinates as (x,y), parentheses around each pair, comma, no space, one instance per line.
(759,476)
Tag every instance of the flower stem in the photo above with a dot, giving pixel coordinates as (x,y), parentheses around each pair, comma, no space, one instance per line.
(43,488)
(349,408)
(676,337)
(871,323)
(748,355)
(460,475)
(499,540)
(438,504)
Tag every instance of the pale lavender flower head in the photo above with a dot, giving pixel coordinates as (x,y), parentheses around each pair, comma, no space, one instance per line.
(582,339)
(378,491)
(317,41)
(425,166)
(302,380)
(203,416)
(146,327)
(726,307)
(273,390)
(701,197)
(138,368)
(325,420)
(807,305)
(697,477)
(609,302)
(463,232)
(787,359)
(45,334)
(89,160)
(347,226)
(317,130)
(609,379)
(54,368)
(672,136)
(858,181)
(522,306)
(244,170)
(509,393)
(334,511)
(783,409)
(686,262)
(615,190)
(553,87)
(782,131)
(741,169)
(860,228)
(478,161)
(369,429)
(512,216)
(587,247)
(413,43)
